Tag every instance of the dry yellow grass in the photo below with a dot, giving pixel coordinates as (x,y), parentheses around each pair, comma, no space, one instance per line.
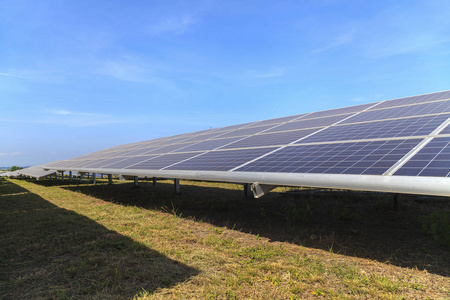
(57,242)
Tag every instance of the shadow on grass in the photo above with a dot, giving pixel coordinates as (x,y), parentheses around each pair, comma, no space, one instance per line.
(48,252)
(355,224)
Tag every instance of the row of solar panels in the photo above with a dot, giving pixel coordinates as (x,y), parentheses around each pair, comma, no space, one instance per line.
(34,172)
(402,138)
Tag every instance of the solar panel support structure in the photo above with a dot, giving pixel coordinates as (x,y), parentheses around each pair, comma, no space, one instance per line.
(436,186)
(70,176)
(247,190)
(260,190)
(398,202)
(136,181)
(177,186)
(110,179)
(154,181)
(94,178)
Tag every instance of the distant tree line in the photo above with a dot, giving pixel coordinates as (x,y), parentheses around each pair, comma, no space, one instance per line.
(15,168)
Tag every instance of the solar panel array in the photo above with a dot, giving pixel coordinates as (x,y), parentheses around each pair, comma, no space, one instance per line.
(34,171)
(407,137)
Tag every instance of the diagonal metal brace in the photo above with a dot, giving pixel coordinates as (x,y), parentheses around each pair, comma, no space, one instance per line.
(260,190)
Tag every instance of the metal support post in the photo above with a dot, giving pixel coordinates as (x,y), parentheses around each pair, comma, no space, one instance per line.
(70,176)
(94,178)
(62,176)
(177,186)
(398,202)
(247,190)
(109,179)
(154,181)
(136,181)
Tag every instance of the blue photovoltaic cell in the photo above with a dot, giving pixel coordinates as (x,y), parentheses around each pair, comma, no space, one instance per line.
(245,131)
(381,129)
(168,149)
(234,127)
(278,120)
(270,139)
(372,158)
(309,123)
(403,111)
(205,136)
(339,111)
(208,145)
(432,160)
(59,163)
(220,160)
(162,161)
(414,100)
(98,163)
(134,152)
(125,162)
(446,130)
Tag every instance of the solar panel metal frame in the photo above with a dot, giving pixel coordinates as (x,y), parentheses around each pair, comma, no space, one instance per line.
(408,107)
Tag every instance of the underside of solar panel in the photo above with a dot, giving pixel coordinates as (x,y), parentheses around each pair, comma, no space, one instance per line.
(399,146)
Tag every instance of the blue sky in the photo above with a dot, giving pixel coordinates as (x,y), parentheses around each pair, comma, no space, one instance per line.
(81,76)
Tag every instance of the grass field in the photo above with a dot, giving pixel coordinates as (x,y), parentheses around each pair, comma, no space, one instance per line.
(64,241)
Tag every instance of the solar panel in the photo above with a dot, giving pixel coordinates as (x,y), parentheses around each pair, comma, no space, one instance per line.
(402,111)
(432,160)
(415,99)
(400,145)
(373,158)
(34,171)
(414,126)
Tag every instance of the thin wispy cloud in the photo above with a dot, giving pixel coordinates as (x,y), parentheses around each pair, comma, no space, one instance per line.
(134,70)
(62,112)
(336,42)
(14,76)
(172,25)
(277,72)
(10,153)
(407,43)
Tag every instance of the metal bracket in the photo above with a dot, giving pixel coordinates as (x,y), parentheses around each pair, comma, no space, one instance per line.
(260,190)
(126,177)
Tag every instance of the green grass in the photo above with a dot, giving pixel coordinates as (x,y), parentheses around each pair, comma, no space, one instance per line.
(60,242)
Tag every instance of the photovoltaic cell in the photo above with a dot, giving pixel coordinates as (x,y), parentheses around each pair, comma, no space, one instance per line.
(208,145)
(245,131)
(220,160)
(415,100)
(98,163)
(339,111)
(373,158)
(168,148)
(162,161)
(125,162)
(403,111)
(234,127)
(59,163)
(270,139)
(446,130)
(432,160)
(278,120)
(310,123)
(381,129)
